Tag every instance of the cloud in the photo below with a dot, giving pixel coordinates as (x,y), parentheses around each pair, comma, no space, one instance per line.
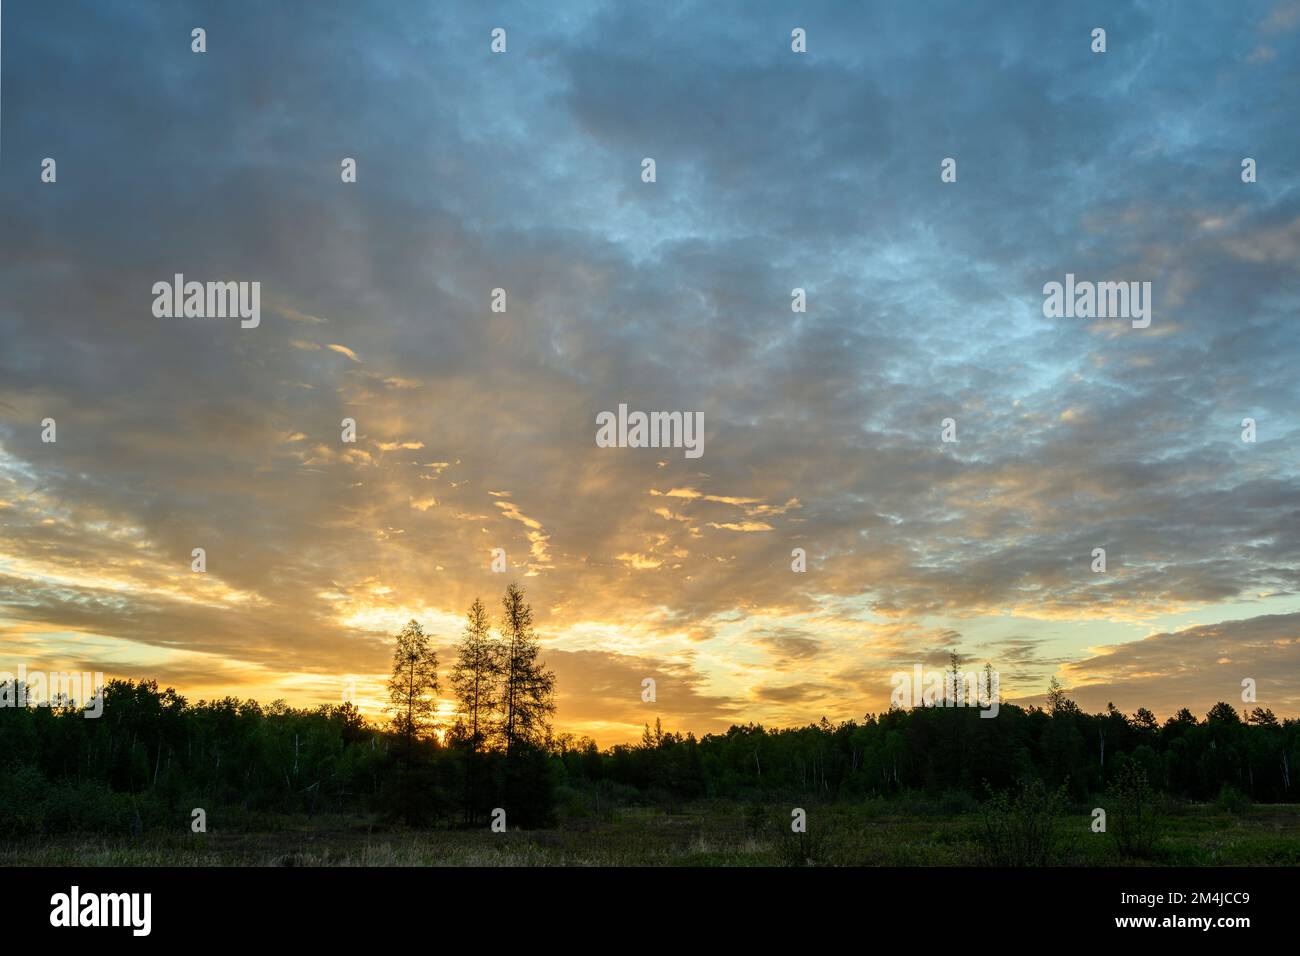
(293,315)
(803,693)
(344,350)
(775,172)
(1196,667)
(791,646)
(395,445)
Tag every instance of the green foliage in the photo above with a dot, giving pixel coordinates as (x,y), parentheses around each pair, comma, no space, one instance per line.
(153,756)
(1134,818)
(22,799)
(877,832)
(807,848)
(30,804)
(1022,826)
(1231,800)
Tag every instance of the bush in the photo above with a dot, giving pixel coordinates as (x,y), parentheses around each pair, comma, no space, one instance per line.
(1135,815)
(802,849)
(1021,827)
(23,790)
(89,808)
(1231,800)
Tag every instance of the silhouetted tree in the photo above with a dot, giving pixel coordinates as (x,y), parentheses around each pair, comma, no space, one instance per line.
(1056,699)
(476,680)
(413,684)
(528,688)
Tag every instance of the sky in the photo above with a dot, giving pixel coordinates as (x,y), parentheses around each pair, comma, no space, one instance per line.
(475,429)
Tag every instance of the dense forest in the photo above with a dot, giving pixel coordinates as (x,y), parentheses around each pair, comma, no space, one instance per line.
(152,757)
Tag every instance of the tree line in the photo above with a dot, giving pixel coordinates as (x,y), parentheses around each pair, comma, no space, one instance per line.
(942,752)
(153,756)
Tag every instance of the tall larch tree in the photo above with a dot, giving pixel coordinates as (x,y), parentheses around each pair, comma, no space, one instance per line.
(528,687)
(413,686)
(476,682)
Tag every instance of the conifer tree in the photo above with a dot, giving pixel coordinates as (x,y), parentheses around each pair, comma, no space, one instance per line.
(528,687)
(476,682)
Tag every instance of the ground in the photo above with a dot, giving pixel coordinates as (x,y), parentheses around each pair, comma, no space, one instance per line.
(705,834)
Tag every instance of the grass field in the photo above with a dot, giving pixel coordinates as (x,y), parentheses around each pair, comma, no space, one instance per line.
(697,835)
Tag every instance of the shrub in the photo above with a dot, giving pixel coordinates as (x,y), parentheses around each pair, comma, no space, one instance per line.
(802,849)
(1231,800)
(23,791)
(1135,816)
(88,808)
(1021,826)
